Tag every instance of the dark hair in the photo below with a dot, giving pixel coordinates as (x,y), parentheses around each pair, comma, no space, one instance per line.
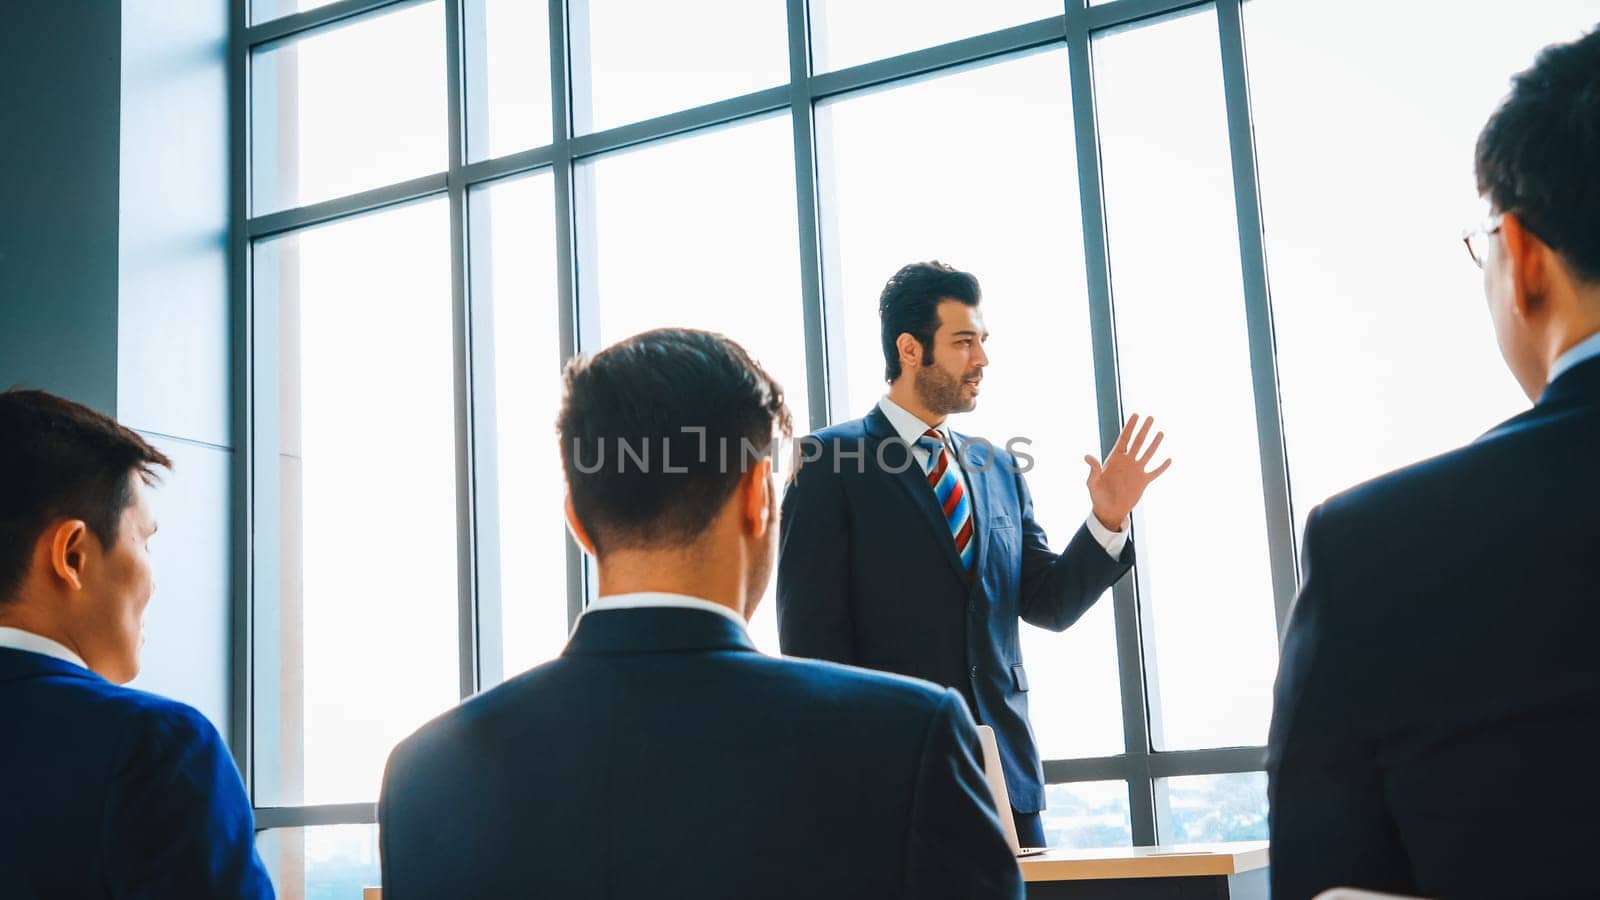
(657,430)
(61,460)
(1539,154)
(909,304)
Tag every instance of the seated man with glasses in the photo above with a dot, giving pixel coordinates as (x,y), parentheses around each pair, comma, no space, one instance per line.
(1438,701)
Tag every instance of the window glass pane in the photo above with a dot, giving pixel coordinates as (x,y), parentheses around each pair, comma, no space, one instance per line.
(1385,353)
(348,109)
(1203,809)
(634,61)
(266,10)
(901,182)
(846,33)
(1183,356)
(700,232)
(506,46)
(514,280)
(325,862)
(1087,814)
(358,645)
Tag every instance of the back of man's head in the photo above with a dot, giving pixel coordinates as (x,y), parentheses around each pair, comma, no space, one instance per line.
(60,460)
(658,430)
(1539,154)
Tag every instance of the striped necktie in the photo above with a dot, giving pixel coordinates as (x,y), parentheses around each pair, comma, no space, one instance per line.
(944,476)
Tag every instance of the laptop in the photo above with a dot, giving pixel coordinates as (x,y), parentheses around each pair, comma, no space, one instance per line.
(1002,797)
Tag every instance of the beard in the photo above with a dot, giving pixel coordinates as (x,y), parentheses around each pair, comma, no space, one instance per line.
(940,391)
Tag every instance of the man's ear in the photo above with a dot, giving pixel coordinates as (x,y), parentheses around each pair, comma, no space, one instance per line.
(68,543)
(759,499)
(576,527)
(910,350)
(1528,260)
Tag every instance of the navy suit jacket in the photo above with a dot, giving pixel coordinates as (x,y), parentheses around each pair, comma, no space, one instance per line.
(1438,700)
(868,575)
(112,792)
(661,755)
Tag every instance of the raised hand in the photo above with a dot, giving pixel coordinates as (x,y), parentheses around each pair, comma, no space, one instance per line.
(1118,483)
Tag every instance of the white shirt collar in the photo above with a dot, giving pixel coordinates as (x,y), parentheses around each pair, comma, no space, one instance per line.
(907,425)
(661,600)
(17,639)
(1582,351)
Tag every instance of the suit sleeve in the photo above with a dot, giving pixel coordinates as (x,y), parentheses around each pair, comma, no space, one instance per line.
(1057,589)
(957,847)
(814,617)
(177,822)
(1329,821)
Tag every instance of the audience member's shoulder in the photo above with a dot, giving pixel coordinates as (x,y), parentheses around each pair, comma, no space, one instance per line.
(863,687)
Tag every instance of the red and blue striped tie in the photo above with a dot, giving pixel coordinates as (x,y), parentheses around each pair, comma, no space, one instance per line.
(944,476)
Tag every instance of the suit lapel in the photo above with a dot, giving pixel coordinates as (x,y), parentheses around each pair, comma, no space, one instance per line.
(912,480)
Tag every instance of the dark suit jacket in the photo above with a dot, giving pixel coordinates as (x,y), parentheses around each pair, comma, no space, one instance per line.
(868,575)
(1438,700)
(112,792)
(663,756)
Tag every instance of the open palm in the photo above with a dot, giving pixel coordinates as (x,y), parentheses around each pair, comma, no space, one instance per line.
(1116,485)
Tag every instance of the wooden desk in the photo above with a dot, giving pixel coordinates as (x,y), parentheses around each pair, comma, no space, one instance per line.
(1220,871)
(1210,871)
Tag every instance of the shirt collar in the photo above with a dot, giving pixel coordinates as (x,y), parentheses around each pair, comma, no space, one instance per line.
(661,600)
(906,423)
(17,639)
(1583,351)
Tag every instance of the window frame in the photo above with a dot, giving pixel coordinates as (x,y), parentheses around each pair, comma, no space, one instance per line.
(255,522)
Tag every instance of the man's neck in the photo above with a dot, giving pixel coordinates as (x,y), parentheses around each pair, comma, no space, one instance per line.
(21,615)
(670,572)
(905,397)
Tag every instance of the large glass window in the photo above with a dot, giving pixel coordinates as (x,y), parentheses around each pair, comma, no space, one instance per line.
(358,647)
(699,232)
(1204,575)
(900,184)
(1386,353)
(422,265)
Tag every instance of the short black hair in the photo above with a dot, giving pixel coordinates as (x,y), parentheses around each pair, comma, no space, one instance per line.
(909,304)
(62,460)
(1539,155)
(657,430)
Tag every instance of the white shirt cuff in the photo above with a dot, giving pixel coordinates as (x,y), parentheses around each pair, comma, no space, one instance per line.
(1112,541)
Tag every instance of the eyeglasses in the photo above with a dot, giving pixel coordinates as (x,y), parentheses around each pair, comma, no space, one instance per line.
(1477,239)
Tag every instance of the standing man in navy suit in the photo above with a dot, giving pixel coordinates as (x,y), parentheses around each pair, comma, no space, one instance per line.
(1438,700)
(108,792)
(661,755)
(911,548)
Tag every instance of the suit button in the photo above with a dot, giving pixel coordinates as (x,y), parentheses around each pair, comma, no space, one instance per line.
(972,606)
(974,672)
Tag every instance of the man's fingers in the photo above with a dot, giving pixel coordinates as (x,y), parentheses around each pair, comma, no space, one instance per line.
(1162,468)
(1150,451)
(1127,434)
(1094,465)
(1133,449)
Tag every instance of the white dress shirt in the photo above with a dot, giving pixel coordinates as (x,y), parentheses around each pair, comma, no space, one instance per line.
(660,600)
(909,428)
(17,639)
(1582,351)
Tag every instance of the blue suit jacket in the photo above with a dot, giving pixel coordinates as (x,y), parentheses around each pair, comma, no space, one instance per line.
(112,792)
(663,756)
(868,575)
(1438,699)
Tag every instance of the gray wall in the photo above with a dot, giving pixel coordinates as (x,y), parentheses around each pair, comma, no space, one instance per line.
(114,275)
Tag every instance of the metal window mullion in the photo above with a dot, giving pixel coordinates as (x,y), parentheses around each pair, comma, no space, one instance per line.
(466,525)
(1258,314)
(569,317)
(242,515)
(1102,330)
(822,348)
(270,817)
(297,25)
